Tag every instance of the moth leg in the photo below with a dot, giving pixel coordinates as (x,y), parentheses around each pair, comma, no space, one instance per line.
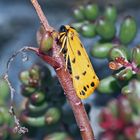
(63,45)
(67,56)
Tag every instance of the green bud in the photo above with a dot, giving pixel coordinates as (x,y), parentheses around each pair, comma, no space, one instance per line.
(101,50)
(46,43)
(136,55)
(5,117)
(40,34)
(78,13)
(111,13)
(105,29)
(33,121)
(27,91)
(128,30)
(124,74)
(108,85)
(4,90)
(91,11)
(88,30)
(53,115)
(118,51)
(34,74)
(35,109)
(37,98)
(24,77)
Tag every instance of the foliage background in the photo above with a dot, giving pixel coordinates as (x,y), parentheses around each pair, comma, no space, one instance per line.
(18,26)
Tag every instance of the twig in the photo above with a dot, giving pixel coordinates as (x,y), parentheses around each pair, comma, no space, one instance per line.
(65,80)
(41,16)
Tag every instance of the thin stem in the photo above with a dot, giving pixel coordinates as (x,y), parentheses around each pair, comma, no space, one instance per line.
(41,16)
(57,61)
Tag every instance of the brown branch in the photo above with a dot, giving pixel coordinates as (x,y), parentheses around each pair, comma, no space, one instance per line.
(41,16)
(66,81)
(50,60)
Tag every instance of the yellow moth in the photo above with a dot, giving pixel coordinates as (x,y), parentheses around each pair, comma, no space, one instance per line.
(84,78)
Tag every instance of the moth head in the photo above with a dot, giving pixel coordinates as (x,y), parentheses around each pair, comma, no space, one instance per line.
(62,28)
(68,30)
(65,28)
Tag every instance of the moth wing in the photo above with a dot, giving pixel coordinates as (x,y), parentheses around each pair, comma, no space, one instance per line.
(84,78)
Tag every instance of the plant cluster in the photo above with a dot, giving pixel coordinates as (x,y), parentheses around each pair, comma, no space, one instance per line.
(119,118)
(6,121)
(111,45)
(45,111)
(45,108)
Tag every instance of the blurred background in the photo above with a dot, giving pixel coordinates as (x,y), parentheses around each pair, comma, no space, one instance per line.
(18,26)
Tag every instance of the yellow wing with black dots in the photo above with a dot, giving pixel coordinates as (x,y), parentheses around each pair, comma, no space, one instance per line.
(84,78)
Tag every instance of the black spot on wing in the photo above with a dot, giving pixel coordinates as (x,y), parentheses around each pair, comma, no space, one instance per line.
(82,92)
(84,73)
(92,84)
(71,37)
(77,77)
(78,52)
(85,88)
(73,60)
(81,45)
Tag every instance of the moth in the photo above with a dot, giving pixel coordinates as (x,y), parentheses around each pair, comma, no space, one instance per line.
(84,77)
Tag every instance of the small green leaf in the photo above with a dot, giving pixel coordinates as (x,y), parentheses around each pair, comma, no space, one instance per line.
(105,29)
(46,43)
(91,11)
(136,55)
(110,13)
(101,50)
(24,77)
(118,51)
(128,30)
(79,13)
(53,115)
(124,74)
(88,30)
(37,98)
(108,85)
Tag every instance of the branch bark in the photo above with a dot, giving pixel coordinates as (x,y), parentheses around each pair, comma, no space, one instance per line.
(57,61)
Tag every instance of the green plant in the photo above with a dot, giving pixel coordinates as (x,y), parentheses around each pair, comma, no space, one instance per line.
(123,61)
(45,104)
(6,121)
(120,118)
